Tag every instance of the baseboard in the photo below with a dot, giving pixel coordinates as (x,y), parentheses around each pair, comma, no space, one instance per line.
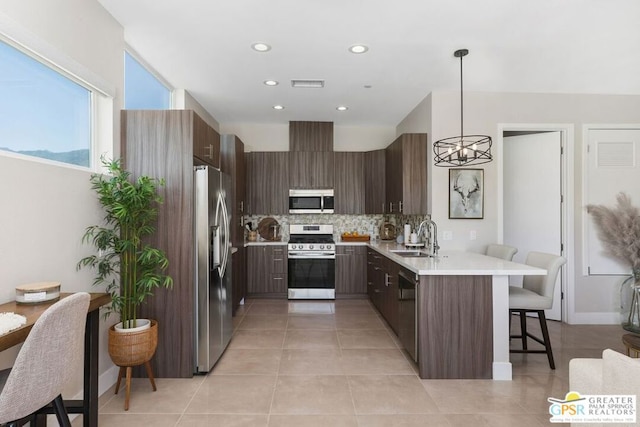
(593,318)
(105,382)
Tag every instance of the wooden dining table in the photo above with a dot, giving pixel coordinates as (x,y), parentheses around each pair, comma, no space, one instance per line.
(88,405)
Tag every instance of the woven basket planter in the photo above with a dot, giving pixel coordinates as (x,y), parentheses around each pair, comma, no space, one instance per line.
(133,348)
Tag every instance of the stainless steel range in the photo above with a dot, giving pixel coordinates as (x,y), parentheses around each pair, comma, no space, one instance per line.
(312,262)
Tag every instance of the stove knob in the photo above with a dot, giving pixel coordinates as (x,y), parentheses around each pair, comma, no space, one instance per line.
(310,246)
(321,247)
(329,247)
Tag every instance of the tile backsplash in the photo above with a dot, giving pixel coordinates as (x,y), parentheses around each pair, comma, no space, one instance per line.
(363,224)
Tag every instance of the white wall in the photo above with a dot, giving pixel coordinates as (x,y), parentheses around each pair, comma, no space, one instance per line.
(46,207)
(183,100)
(596,297)
(275,137)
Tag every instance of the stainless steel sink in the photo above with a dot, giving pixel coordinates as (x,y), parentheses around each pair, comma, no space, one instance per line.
(409,253)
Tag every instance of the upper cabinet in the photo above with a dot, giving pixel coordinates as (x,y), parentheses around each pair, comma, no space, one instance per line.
(206,143)
(233,163)
(310,136)
(311,169)
(374,182)
(406,175)
(349,180)
(267,183)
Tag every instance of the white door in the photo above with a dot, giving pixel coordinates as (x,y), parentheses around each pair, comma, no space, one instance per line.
(532,185)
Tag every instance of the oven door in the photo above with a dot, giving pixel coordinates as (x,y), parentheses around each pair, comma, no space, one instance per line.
(311,275)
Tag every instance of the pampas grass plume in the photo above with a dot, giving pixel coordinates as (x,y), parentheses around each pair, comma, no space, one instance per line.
(619,229)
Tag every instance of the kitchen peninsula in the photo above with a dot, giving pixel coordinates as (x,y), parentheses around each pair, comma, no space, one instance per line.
(461,303)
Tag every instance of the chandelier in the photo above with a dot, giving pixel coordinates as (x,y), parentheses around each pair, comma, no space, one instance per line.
(464,149)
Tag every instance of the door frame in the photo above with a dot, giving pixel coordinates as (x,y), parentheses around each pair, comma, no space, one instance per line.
(567,189)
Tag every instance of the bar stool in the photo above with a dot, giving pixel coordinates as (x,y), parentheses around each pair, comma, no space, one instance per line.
(536,296)
(501,251)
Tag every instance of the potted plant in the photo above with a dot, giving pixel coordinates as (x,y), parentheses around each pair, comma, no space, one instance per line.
(129,267)
(619,230)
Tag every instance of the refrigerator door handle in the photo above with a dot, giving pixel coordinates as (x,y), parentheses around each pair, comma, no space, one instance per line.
(214,242)
(227,237)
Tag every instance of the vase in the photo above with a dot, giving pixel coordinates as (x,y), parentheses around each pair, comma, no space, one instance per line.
(630,303)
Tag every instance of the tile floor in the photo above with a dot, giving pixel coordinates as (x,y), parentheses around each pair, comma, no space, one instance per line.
(337,364)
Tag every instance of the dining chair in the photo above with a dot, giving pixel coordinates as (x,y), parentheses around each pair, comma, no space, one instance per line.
(48,360)
(536,296)
(501,251)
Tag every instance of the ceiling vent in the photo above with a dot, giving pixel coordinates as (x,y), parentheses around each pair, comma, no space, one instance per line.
(308,83)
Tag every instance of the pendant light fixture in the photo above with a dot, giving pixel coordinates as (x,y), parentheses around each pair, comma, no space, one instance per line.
(462,150)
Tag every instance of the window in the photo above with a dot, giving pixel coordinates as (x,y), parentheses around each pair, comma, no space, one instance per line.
(142,90)
(43,113)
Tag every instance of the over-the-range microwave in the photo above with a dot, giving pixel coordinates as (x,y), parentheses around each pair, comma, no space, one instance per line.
(311,201)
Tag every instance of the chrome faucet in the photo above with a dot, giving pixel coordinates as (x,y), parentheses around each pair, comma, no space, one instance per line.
(430,237)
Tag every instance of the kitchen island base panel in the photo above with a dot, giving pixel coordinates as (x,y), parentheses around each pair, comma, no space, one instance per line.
(455,333)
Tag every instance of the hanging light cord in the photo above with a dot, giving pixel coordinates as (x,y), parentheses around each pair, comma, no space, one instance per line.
(461,102)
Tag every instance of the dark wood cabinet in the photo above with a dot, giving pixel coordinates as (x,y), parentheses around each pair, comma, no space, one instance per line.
(382,287)
(232,163)
(351,270)
(267,270)
(267,183)
(206,143)
(310,136)
(239,277)
(406,175)
(374,182)
(309,169)
(160,144)
(349,183)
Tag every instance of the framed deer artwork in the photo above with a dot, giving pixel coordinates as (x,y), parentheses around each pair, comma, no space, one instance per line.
(466,193)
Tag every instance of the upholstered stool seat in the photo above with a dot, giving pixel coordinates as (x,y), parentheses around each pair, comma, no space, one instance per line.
(501,251)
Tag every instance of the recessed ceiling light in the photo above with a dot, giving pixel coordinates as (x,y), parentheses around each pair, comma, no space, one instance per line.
(358,48)
(261,47)
(271,83)
(342,108)
(278,107)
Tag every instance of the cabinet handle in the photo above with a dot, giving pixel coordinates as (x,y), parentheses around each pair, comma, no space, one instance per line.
(383,206)
(387,280)
(277,259)
(400,205)
(278,278)
(210,149)
(390,207)
(242,206)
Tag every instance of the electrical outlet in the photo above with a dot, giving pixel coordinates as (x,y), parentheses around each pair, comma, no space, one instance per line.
(447,235)
(472,235)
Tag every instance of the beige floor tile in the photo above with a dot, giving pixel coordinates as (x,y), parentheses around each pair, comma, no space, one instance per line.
(310,338)
(172,396)
(311,307)
(233,394)
(479,404)
(315,361)
(248,361)
(496,420)
(135,420)
(312,421)
(312,395)
(257,338)
(365,338)
(312,321)
(390,394)
(263,322)
(275,308)
(375,361)
(358,321)
(223,420)
(402,420)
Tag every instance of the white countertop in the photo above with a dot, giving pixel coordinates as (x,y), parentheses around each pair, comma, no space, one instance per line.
(457,263)
(265,243)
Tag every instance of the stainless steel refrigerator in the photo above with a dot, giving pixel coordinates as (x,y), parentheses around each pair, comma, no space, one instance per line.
(213,266)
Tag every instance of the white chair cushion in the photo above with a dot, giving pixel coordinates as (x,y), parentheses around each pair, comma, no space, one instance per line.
(524,299)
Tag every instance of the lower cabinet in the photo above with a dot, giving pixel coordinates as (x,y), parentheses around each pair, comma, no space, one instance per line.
(382,286)
(239,276)
(267,270)
(351,270)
